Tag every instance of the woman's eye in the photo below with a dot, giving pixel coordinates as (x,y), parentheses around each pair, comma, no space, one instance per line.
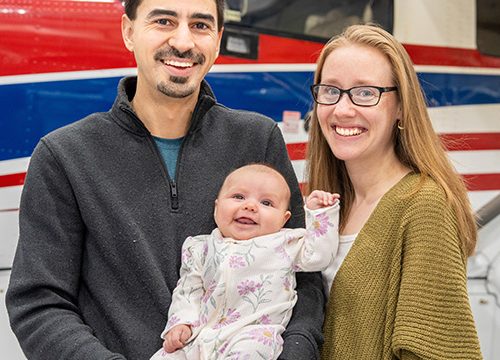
(332,91)
(366,93)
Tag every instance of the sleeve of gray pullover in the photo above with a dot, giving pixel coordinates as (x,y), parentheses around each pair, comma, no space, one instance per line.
(43,290)
(303,335)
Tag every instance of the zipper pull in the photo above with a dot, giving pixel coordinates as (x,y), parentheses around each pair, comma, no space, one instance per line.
(173,195)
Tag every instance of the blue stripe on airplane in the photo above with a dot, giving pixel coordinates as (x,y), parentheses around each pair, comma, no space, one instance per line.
(31,110)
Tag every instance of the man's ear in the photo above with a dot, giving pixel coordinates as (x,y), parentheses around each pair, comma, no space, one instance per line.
(127,32)
(219,38)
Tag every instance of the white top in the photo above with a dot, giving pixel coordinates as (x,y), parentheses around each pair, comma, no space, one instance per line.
(345,243)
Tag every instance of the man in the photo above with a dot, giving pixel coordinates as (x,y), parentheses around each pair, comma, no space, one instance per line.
(106,206)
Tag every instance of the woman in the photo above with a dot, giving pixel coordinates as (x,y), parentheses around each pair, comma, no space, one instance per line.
(406,221)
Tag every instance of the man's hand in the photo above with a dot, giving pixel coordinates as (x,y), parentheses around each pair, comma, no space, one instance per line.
(318,199)
(176,337)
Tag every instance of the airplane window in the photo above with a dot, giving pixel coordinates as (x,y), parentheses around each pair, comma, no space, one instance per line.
(319,18)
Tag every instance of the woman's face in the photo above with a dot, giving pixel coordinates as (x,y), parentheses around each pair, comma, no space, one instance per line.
(354,133)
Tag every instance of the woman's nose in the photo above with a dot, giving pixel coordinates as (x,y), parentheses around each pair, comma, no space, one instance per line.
(344,107)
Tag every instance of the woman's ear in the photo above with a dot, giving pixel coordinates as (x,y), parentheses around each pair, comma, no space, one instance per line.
(399,114)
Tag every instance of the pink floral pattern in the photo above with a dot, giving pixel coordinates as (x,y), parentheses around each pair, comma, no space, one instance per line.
(286,284)
(230,317)
(281,252)
(264,319)
(237,262)
(205,249)
(248,286)
(320,225)
(223,347)
(209,291)
(186,255)
(296,268)
(264,335)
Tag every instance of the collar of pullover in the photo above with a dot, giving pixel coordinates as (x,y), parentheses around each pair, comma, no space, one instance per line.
(125,116)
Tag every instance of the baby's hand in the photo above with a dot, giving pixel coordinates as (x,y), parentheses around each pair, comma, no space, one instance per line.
(176,337)
(318,199)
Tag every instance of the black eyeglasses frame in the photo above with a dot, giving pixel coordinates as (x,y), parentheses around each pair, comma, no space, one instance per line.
(348,92)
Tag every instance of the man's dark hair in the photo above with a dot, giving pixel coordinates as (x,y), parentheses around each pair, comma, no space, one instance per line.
(132,5)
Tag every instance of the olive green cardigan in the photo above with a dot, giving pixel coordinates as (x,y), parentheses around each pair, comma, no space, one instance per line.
(401,292)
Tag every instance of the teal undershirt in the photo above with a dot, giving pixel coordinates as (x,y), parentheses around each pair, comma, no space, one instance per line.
(169,150)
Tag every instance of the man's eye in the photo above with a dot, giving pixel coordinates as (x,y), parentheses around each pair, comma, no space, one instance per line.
(266,203)
(201,26)
(163,21)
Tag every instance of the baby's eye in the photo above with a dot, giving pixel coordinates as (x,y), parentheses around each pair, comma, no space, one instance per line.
(238,197)
(266,203)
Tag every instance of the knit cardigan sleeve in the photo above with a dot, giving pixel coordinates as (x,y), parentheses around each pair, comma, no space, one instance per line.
(433,316)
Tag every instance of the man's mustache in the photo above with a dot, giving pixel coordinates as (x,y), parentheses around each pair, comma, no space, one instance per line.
(173,52)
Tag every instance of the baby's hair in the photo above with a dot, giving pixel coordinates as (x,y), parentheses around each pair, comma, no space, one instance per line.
(264,167)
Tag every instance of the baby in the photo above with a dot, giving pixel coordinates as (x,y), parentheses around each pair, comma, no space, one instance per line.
(236,290)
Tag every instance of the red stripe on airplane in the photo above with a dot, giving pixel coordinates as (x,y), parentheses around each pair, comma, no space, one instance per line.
(65,32)
(475,182)
(471,141)
(12,179)
(446,56)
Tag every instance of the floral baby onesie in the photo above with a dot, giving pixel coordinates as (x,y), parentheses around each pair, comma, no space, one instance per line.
(238,296)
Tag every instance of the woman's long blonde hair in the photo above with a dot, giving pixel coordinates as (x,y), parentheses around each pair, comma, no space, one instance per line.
(417,146)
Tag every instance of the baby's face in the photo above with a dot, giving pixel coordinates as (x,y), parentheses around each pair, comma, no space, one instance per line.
(252,203)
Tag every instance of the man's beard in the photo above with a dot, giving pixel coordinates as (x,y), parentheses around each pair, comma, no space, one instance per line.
(171,89)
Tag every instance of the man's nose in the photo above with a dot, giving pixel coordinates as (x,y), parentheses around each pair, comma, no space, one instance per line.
(181,38)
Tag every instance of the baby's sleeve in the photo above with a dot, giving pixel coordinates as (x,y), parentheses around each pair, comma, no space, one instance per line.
(187,295)
(315,250)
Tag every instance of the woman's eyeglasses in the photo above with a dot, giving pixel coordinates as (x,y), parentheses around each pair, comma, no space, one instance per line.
(359,95)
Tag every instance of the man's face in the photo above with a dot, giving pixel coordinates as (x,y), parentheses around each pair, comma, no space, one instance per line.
(174,42)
